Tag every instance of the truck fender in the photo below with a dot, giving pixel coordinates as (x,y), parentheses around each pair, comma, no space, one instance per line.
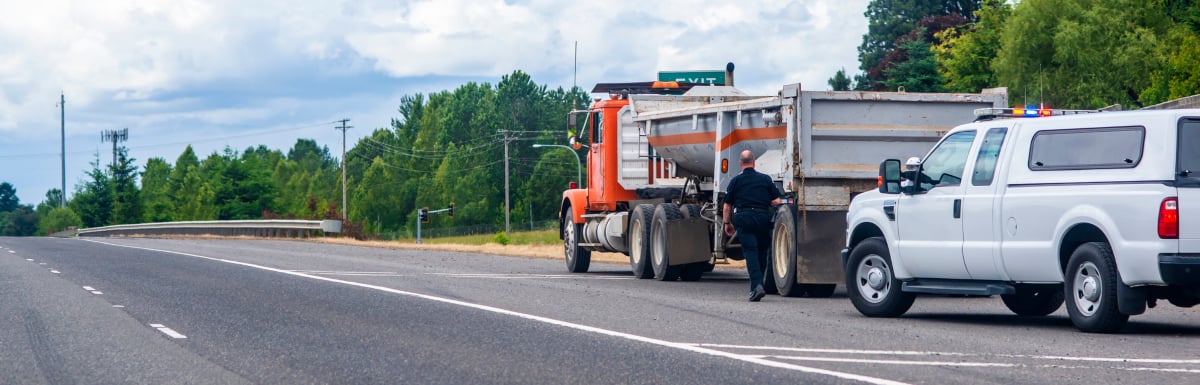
(577,200)
(867,220)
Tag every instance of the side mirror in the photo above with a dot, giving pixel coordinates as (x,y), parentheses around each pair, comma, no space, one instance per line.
(572,121)
(889,176)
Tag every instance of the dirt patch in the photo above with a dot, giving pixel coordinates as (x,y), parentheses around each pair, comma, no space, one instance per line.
(527,251)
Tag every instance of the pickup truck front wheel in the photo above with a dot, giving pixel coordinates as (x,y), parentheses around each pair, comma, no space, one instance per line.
(1091,289)
(871,283)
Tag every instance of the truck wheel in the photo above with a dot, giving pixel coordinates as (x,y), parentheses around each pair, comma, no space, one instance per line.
(659,255)
(690,210)
(639,241)
(783,254)
(578,258)
(1091,289)
(1034,301)
(871,282)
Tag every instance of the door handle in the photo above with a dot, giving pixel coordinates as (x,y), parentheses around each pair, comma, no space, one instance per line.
(957,208)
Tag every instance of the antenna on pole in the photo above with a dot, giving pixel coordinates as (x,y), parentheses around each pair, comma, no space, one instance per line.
(575,74)
(116,137)
(62,108)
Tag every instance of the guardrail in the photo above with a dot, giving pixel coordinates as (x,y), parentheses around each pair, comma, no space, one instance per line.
(285,228)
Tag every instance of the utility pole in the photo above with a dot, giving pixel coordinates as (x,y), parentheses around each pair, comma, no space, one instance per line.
(507,229)
(116,137)
(344,127)
(62,106)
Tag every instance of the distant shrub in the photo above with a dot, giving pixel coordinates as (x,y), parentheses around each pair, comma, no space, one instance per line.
(500,238)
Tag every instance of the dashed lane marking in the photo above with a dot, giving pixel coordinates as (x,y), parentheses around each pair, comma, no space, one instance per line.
(168,331)
(757,360)
(55,272)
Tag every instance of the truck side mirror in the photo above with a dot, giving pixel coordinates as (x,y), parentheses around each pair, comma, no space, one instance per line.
(571,121)
(889,176)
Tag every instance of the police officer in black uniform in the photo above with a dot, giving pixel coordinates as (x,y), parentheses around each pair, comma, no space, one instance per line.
(748,202)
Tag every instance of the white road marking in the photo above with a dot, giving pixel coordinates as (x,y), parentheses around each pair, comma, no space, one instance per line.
(119,306)
(168,331)
(29,259)
(523,276)
(89,288)
(591,329)
(11,252)
(43,263)
(97,292)
(907,353)
(55,272)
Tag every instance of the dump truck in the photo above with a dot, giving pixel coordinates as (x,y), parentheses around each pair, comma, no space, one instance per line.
(661,154)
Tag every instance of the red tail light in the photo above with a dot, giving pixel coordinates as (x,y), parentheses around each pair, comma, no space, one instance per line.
(573,186)
(1168,218)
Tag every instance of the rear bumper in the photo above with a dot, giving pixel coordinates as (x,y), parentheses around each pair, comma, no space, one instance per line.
(1180,269)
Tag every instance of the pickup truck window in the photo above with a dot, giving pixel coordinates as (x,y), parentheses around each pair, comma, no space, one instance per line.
(1082,149)
(1189,152)
(944,165)
(989,152)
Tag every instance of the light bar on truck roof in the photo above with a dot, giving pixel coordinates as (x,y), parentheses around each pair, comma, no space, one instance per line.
(1025,112)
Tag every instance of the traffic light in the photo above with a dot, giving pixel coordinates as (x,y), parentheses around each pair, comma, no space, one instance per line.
(451,210)
(423,214)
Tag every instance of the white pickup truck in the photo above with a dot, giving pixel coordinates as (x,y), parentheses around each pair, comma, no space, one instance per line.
(1099,209)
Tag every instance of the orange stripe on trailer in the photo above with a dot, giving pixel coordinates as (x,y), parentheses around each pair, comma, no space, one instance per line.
(735,137)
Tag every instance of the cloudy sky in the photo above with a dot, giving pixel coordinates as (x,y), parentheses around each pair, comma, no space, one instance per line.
(237,73)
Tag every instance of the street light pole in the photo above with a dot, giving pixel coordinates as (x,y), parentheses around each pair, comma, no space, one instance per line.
(578,161)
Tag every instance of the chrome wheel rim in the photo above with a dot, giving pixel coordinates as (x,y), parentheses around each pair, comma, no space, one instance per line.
(636,242)
(1088,289)
(659,253)
(782,249)
(569,245)
(874,278)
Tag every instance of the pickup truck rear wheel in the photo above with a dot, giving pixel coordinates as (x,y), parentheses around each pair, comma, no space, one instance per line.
(871,283)
(1034,301)
(1091,289)
(659,252)
(578,258)
(639,241)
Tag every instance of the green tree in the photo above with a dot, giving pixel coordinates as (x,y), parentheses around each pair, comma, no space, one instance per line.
(918,73)
(58,219)
(888,20)
(195,200)
(8,198)
(21,222)
(126,205)
(965,54)
(1082,53)
(93,200)
(839,81)
(157,205)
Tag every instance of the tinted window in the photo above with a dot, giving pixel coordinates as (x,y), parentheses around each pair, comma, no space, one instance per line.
(985,163)
(1115,147)
(944,166)
(1189,150)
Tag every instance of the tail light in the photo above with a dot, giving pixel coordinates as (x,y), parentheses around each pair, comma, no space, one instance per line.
(572,185)
(1168,218)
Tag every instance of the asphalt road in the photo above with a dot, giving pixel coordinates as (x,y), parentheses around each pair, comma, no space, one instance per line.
(281,312)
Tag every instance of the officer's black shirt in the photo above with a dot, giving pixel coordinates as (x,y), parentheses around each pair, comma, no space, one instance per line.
(751,190)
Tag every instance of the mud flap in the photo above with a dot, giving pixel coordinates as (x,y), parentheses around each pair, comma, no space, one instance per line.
(1131,300)
(687,241)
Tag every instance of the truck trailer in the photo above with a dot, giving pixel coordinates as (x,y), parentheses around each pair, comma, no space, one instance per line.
(660,155)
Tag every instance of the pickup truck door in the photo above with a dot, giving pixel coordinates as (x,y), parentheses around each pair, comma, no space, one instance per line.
(930,222)
(980,208)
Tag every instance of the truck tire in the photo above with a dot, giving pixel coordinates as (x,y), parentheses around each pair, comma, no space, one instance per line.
(871,283)
(578,258)
(1034,300)
(783,254)
(659,253)
(1091,289)
(639,241)
(690,210)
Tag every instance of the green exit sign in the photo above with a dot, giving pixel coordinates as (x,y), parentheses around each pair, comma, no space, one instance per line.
(716,78)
